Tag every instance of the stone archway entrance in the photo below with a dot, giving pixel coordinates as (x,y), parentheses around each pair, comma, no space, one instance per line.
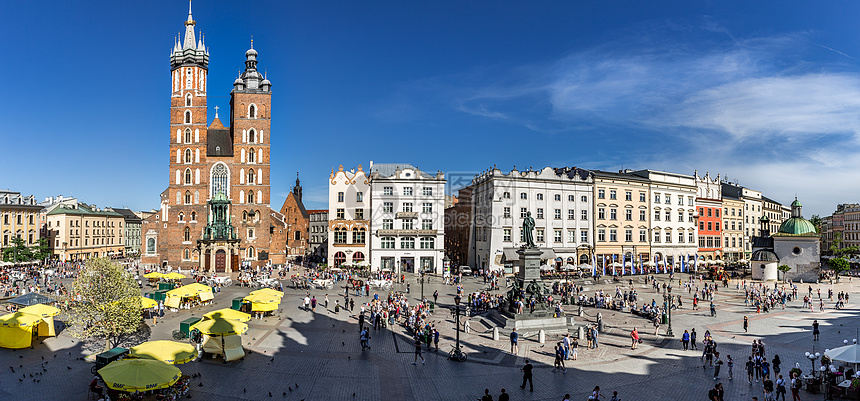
(220,260)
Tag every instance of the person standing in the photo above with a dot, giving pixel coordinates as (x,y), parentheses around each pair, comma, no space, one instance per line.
(574,348)
(527,376)
(713,310)
(361,322)
(795,387)
(314,304)
(514,338)
(435,296)
(436,338)
(730,363)
(594,336)
(326,301)
(566,342)
(767,388)
(815,331)
(685,339)
(487,396)
(746,324)
(717,365)
(504,396)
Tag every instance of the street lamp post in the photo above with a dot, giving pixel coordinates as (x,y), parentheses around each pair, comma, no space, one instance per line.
(812,357)
(457,354)
(422,285)
(667,296)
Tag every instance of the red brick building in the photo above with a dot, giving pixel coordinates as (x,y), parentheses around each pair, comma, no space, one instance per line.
(296,219)
(215,211)
(709,215)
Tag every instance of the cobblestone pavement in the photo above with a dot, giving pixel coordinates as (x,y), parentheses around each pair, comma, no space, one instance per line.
(300,355)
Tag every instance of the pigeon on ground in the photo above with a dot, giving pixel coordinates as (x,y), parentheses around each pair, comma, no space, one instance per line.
(270,393)
(289,388)
(200,385)
(297,385)
(13,369)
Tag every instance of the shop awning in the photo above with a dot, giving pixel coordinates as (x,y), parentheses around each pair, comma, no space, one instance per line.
(510,254)
(548,253)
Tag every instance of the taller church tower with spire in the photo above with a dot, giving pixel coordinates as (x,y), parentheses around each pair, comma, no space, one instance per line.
(215,212)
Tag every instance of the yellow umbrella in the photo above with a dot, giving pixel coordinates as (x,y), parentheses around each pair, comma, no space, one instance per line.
(220,327)
(268,292)
(227,314)
(174,276)
(148,302)
(263,307)
(189,290)
(132,375)
(153,275)
(165,351)
(16,329)
(41,310)
(262,299)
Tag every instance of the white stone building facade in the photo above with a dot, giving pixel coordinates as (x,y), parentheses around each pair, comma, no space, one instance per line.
(407,232)
(560,201)
(349,217)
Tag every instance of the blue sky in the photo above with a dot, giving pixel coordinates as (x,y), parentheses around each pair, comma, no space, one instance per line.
(766,93)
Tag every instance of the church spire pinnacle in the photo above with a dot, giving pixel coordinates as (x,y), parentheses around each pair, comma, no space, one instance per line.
(190,41)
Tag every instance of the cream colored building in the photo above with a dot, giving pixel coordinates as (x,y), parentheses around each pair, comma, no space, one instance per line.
(19,217)
(349,217)
(622,218)
(733,228)
(79,231)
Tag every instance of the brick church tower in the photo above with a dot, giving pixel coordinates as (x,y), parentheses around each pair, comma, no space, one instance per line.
(215,211)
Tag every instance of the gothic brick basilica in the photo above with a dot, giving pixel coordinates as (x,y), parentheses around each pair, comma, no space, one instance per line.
(215,212)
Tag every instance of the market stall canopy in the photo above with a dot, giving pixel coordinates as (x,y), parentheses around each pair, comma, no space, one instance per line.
(268,291)
(847,354)
(153,275)
(220,327)
(228,346)
(190,290)
(31,298)
(41,310)
(174,276)
(166,351)
(16,329)
(263,307)
(227,314)
(148,302)
(262,298)
(132,375)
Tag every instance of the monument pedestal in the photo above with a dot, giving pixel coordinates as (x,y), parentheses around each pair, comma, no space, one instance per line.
(540,319)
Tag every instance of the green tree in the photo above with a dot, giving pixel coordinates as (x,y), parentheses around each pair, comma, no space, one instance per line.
(18,252)
(839,264)
(816,221)
(784,269)
(41,251)
(106,303)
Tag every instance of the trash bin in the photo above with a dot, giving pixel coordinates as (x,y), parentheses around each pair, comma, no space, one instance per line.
(237,303)
(185,325)
(109,356)
(166,286)
(159,295)
(665,319)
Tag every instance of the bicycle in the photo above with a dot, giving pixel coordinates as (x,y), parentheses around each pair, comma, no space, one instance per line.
(457,354)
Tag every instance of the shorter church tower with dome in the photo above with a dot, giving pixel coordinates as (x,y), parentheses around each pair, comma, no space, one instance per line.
(796,245)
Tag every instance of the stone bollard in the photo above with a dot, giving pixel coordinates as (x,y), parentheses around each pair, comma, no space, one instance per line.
(581,334)
(495,334)
(541,336)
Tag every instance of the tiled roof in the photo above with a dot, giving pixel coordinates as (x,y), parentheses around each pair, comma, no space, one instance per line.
(388,169)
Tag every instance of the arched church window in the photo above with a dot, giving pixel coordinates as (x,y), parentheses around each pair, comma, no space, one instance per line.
(187,197)
(245,215)
(250,196)
(187,235)
(251,252)
(251,155)
(188,158)
(188,100)
(252,111)
(187,116)
(150,245)
(187,176)
(252,178)
(181,216)
(187,135)
(193,216)
(219,179)
(251,135)
(187,254)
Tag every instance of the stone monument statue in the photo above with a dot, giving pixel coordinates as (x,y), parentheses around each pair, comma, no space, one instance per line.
(528,228)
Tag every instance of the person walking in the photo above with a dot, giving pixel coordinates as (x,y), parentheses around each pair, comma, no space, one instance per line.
(693,339)
(746,324)
(314,304)
(815,331)
(514,338)
(326,301)
(713,310)
(634,335)
(730,363)
(527,376)
(795,387)
(750,365)
(685,339)
(418,351)
(594,336)
(574,348)
(780,388)
(595,394)
(767,388)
